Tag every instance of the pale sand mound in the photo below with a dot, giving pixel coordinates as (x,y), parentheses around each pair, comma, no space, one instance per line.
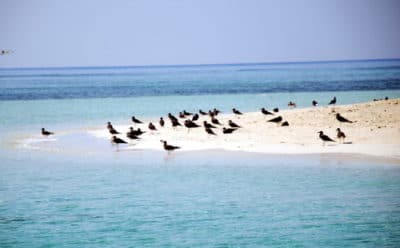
(375,131)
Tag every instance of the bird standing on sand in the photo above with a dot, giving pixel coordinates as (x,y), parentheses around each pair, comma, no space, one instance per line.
(291,104)
(208,125)
(162,122)
(340,135)
(314,103)
(216,111)
(228,130)
(276,110)
(187,113)
(325,138)
(111,129)
(136,121)
(131,134)
(202,112)
(342,119)
(117,141)
(285,124)
(169,147)
(233,124)
(195,117)
(136,132)
(215,121)
(171,117)
(209,131)
(175,123)
(276,120)
(211,113)
(46,133)
(174,120)
(152,127)
(109,125)
(190,124)
(266,112)
(333,101)
(236,112)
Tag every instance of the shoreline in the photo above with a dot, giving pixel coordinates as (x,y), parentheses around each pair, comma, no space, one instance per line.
(368,135)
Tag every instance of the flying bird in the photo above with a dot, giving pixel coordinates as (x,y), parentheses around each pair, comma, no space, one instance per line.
(5,52)
(46,133)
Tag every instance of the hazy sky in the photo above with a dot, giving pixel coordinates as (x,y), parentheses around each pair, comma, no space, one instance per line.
(108,33)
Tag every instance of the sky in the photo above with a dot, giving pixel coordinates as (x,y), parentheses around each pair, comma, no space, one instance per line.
(53,33)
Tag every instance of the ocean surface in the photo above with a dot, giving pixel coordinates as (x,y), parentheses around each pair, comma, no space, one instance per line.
(96,196)
(57,96)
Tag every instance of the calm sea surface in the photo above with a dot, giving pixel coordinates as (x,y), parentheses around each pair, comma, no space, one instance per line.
(203,199)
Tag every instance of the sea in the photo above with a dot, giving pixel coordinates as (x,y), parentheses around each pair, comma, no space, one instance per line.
(95,196)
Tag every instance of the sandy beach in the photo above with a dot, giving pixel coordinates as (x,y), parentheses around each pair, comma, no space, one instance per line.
(375,131)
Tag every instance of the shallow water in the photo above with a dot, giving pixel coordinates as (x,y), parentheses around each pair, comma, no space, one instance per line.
(152,199)
(97,195)
(68,113)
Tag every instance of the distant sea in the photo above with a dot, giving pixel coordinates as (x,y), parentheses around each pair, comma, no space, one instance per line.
(49,96)
(203,199)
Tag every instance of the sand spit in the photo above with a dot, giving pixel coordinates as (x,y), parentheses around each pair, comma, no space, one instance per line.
(375,131)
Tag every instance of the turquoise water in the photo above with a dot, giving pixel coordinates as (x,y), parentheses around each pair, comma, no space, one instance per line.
(94,195)
(151,199)
(96,111)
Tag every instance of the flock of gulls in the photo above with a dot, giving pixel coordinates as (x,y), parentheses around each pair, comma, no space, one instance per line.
(189,121)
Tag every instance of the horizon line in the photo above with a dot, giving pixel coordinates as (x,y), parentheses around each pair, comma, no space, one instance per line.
(205,64)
